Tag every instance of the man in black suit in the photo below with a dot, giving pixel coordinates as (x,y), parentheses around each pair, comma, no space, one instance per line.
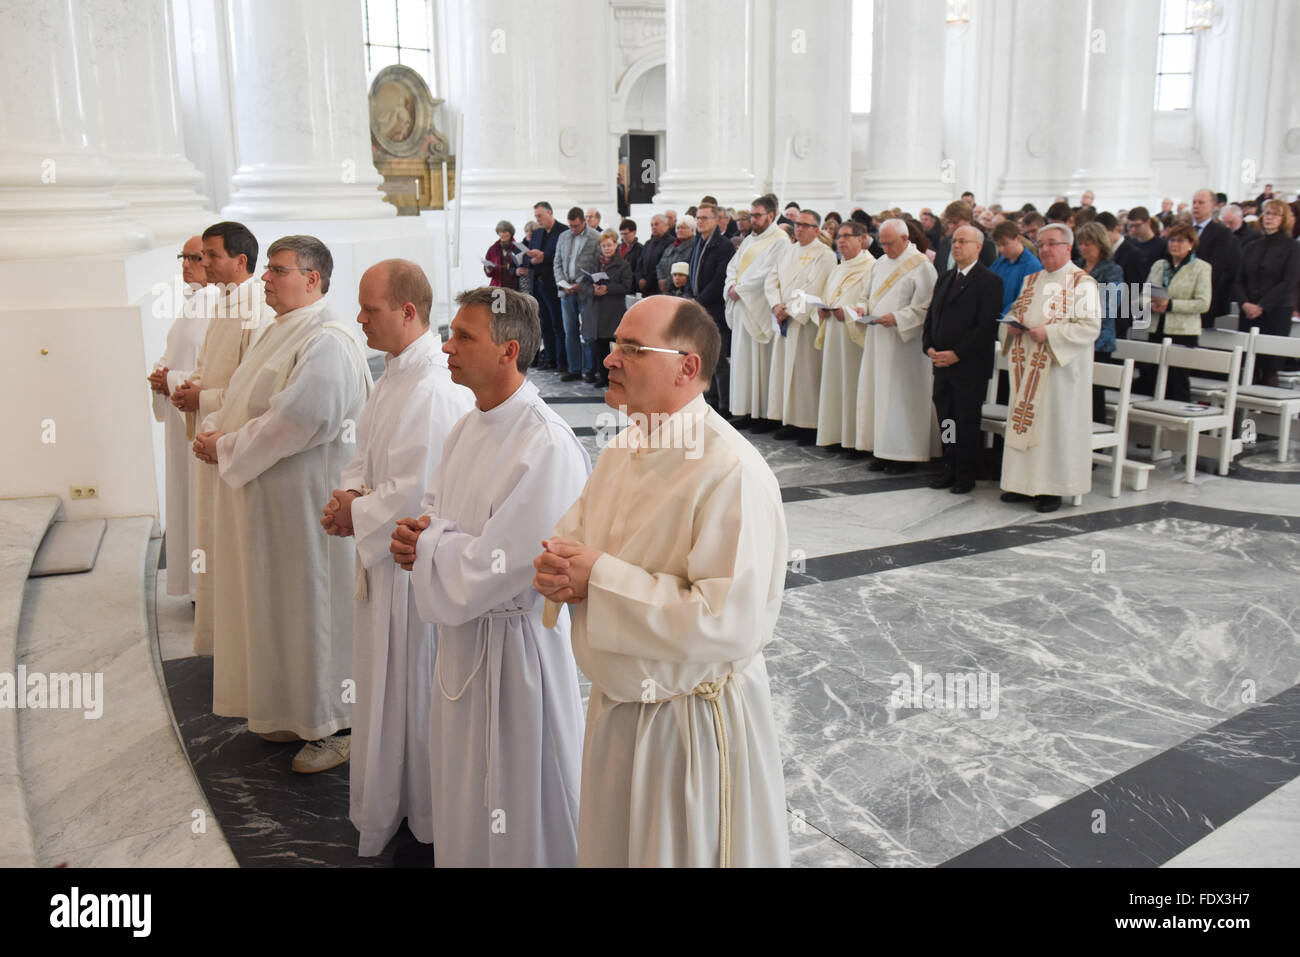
(647,279)
(541,260)
(1133,264)
(960,328)
(706,280)
(1218,247)
(956,215)
(1232,218)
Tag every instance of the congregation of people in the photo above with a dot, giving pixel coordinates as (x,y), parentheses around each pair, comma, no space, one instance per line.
(408,573)
(874,335)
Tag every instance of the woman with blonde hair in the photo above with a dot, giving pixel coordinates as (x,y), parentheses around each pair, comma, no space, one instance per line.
(1266,283)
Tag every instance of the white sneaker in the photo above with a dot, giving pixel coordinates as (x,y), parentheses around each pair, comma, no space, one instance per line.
(324,754)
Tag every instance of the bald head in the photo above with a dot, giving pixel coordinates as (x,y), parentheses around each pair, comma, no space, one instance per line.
(663,382)
(192,262)
(395,299)
(1202,205)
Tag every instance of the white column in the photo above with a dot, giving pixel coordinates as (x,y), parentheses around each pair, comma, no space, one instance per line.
(1118,104)
(1282,132)
(810,113)
(504,60)
(132,68)
(905,141)
(56,187)
(1050,41)
(709,142)
(301,113)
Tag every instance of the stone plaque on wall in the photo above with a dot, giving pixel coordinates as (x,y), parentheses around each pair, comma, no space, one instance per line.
(408,150)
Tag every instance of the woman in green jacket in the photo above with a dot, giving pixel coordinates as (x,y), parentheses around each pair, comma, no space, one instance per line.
(1177,313)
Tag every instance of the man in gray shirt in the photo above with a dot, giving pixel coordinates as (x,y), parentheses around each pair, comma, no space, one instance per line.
(577,250)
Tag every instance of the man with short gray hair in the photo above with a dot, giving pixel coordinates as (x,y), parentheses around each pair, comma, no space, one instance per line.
(505,719)
(282,624)
(895,419)
(1047,453)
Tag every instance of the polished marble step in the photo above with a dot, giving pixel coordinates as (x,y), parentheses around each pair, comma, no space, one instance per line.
(23,523)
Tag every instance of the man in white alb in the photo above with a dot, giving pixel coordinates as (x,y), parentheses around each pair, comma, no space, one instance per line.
(505,716)
(841,336)
(674,561)
(749,316)
(184,339)
(895,416)
(1047,452)
(239,315)
(796,364)
(400,436)
(282,629)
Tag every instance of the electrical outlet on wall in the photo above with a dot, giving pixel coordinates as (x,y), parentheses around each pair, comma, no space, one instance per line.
(84,491)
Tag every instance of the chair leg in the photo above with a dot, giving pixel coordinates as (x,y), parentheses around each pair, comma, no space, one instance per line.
(1283,433)
(1076,500)
(1116,472)
(1193,440)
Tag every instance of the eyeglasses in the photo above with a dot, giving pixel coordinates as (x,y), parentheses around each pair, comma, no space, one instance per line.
(1045,244)
(629,349)
(194,258)
(282,271)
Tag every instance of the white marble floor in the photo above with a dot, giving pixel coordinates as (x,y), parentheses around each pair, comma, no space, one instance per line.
(1103,672)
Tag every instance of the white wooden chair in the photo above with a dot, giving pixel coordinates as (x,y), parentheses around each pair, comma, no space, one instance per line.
(993,414)
(1114,437)
(1284,403)
(1190,418)
(1224,340)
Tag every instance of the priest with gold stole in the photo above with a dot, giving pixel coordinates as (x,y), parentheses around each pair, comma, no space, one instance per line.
(1047,451)
(748,315)
(796,380)
(841,337)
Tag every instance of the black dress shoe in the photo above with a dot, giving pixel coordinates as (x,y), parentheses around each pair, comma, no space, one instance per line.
(961,488)
(946,480)
(785,432)
(763,425)
(899,468)
(570,377)
(807,436)
(1048,503)
(590,377)
(741,422)
(877,465)
(858,453)
(1016,497)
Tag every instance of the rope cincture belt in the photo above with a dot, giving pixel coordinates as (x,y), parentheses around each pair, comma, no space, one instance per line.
(484,636)
(362,592)
(711,691)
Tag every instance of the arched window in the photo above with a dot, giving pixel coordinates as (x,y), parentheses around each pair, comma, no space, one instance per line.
(860,57)
(1175,57)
